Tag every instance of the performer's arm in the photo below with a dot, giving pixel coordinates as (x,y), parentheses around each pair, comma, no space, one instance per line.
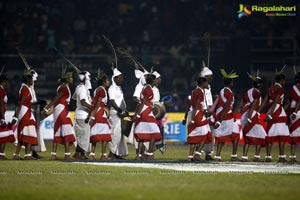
(56,98)
(85,104)
(251,110)
(297,105)
(224,110)
(15,117)
(136,100)
(186,113)
(94,110)
(2,123)
(2,108)
(114,105)
(194,111)
(139,109)
(269,116)
(263,103)
(83,95)
(296,109)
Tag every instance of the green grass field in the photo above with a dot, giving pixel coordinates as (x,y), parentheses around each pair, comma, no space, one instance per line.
(44,179)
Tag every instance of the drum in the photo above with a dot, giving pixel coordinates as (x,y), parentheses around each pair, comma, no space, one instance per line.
(126,124)
(159,110)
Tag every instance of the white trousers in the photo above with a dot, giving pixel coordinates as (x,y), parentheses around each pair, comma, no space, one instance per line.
(118,143)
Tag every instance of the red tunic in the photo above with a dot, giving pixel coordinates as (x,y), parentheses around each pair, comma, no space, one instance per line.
(199,131)
(146,127)
(226,130)
(294,125)
(277,128)
(253,133)
(27,124)
(100,129)
(63,126)
(225,95)
(6,134)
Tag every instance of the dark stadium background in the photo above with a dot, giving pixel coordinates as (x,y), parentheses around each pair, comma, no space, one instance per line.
(173,36)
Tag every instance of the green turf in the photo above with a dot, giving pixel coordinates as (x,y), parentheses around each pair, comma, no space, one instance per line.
(174,152)
(46,179)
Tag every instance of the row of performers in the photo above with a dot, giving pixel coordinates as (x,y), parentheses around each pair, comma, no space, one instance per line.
(208,120)
(94,123)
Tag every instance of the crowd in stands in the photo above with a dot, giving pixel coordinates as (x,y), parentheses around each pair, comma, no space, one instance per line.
(172,34)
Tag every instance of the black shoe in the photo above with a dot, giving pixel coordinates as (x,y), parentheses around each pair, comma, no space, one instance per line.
(83,156)
(35,155)
(119,157)
(208,158)
(112,156)
(77,156)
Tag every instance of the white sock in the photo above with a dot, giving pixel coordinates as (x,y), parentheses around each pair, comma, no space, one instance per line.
(270,157)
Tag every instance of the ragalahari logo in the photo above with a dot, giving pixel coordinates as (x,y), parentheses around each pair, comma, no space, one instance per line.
(243,11)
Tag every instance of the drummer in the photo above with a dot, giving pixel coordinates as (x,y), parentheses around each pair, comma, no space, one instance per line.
(41,147)
(161,145)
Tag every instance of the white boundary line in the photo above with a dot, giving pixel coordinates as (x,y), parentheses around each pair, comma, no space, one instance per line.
(209,167)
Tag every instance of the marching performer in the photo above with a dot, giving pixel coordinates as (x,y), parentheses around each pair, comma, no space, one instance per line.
(139,74)
(208,74)
(224,117)
(27,127)
(253,131)
(161,145)
(146,128)
(36,112)
(198,127)
(98,117)
(63,126)
(277,129)
(6,133)
(40,147)
(83,104)
(295,117)
(118,145)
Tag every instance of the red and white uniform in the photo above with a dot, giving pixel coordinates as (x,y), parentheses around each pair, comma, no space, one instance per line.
(294,123)
(225,130)
(6,133)
(63,126)
(146,127)
(277,129)
(27,125)
(100,129)
(199,131)
(254,133)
